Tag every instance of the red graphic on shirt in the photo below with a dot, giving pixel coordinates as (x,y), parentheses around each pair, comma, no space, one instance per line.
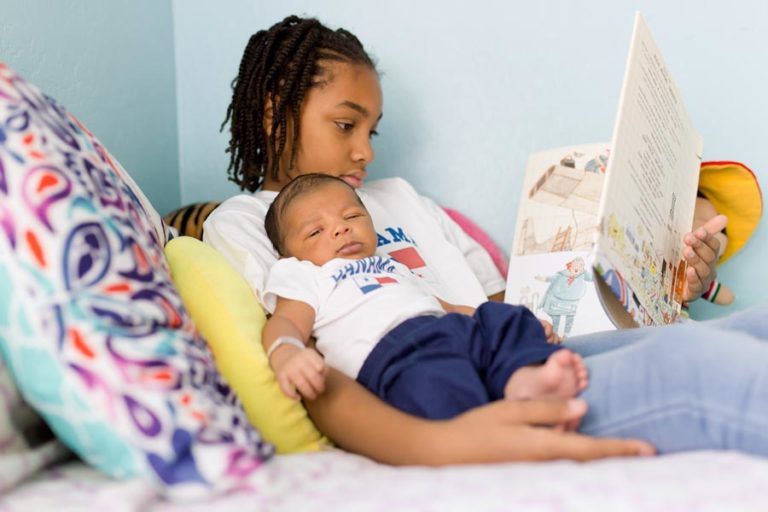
(409,257)
(368,284)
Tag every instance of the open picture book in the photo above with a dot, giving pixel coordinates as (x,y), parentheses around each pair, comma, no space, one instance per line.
(598,241)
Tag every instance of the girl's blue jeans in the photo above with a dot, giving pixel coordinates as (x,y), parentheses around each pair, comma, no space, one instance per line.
(697,385)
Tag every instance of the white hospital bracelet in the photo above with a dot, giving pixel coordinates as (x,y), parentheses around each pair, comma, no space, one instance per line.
(285,340)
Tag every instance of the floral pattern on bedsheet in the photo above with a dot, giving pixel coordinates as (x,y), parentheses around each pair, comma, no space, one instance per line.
(336,481)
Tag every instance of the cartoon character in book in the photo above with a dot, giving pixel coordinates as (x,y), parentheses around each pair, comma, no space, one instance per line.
(566,288)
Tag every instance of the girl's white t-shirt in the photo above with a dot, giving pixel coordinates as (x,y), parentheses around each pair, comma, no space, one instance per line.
(412,229)
(356,303)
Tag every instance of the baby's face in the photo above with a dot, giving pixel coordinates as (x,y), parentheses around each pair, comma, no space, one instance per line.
(328,223)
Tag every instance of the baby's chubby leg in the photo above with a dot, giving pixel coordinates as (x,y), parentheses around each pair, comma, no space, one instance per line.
(564,375)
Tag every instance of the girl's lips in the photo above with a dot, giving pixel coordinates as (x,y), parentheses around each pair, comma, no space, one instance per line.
(350,248)
(354,180)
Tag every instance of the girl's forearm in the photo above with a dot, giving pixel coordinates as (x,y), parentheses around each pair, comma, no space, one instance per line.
(505,430)
(358,421)
(455,308)
(497,297)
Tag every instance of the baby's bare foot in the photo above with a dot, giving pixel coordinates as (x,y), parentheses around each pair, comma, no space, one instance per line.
(564,375)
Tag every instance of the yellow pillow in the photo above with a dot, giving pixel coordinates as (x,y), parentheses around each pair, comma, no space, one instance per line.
(230,318)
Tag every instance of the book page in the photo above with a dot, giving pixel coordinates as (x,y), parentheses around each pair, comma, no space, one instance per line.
(560,199)
(650,190)
(558,287)
(556,227)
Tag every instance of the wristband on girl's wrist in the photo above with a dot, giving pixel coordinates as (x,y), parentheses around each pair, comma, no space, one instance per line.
(711,293)
(285,340)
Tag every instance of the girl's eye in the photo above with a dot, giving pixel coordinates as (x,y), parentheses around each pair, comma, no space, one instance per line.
(344,125)
(373,134)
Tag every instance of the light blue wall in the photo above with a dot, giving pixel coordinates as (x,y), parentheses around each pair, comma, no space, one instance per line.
(471,90)
(110,62)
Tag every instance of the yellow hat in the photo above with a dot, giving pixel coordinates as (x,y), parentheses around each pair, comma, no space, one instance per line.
(733,190)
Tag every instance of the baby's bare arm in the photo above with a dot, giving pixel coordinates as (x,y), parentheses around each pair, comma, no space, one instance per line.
(299,370)
(291,318)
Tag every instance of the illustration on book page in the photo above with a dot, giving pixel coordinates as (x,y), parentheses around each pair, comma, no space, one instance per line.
(561,195)
(558,288)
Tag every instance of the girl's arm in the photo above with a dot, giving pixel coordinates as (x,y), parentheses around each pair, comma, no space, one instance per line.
(497,297)
(454,308)
(701,251)
(502,431)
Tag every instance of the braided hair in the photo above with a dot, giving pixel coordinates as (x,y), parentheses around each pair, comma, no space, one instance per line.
(278,66)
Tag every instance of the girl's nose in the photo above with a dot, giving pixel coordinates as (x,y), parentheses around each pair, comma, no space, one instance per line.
(363,152)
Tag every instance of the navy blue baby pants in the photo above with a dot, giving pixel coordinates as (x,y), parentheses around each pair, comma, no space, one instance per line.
(439,367)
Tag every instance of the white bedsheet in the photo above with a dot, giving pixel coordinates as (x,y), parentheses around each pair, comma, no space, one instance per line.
(335,481)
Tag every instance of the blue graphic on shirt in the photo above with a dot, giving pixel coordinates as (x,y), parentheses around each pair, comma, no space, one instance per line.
(393,235)
(369,265)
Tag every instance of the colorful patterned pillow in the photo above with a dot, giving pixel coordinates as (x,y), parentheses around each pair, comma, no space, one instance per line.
(91,326)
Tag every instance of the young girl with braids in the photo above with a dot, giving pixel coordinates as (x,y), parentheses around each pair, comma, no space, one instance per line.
(308,99)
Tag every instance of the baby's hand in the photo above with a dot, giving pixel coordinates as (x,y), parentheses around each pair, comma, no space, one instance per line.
(549,332)
(304,371)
